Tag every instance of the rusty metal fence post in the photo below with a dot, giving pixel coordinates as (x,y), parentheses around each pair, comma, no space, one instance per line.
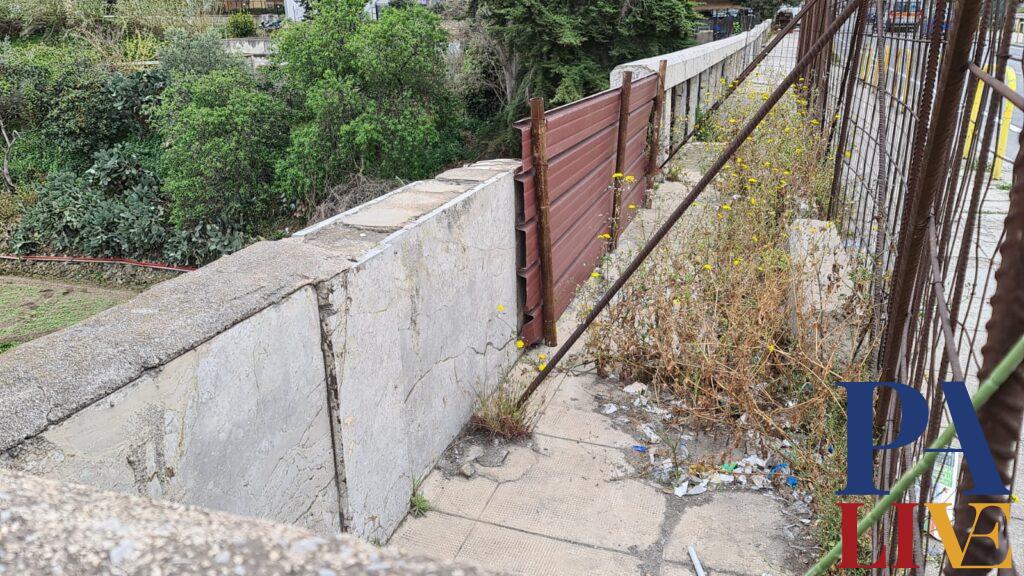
(654,144)
(620,155)
(539,128)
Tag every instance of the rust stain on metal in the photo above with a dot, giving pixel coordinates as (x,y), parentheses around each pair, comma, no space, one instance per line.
(581,146)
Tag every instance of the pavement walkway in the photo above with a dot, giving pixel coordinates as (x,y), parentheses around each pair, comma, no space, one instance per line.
(578,498)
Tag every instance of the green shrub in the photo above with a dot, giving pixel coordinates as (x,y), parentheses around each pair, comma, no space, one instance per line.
(374,98)
(114,209)
(66,105)
(184,53)
(223,135)
(240,25)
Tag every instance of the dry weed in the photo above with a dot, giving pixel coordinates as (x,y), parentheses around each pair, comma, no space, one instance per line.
(706,318)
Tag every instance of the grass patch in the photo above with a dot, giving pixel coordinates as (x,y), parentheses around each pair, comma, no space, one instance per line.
(29,310)
(498,415)
(418,504)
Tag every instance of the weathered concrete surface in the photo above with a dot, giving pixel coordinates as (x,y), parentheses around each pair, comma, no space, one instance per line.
(417,336)
(47,380)
(239,424)
(571,503)
(47,527)
(248,384)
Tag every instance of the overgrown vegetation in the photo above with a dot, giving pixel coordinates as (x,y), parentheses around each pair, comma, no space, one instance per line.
(498,414)
(129,131)
(714,319)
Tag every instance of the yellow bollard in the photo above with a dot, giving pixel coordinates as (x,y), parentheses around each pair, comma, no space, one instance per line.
(1004,126)
(975,108)
(866,63)
(907,63)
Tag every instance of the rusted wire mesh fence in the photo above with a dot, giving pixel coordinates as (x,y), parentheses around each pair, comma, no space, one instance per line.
(923,196)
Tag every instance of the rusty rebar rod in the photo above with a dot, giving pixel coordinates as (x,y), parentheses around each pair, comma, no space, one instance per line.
(937,148)
(698,189)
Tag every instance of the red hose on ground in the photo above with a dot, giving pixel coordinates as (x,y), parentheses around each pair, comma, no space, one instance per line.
(90,260)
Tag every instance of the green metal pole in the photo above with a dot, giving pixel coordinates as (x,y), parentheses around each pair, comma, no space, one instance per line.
(985,391)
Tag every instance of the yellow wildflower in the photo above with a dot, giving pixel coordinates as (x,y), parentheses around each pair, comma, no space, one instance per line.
(542,356)
(708,266)
(605,236)
(541,367)
(595,274)
(501,308)
(752,180)
(617,175)
(630,179)
(520,344)
(736,261)
(726,207)
(632,206)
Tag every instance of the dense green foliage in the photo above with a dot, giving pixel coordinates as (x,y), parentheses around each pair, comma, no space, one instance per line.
(114,209)
(565,49)
(190,158)
(240,25)
(372,97)
(766,8)
(223,136)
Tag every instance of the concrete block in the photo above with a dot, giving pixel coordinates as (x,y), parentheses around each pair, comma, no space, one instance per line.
(50,378)
(417,338)
(475,173)
(396,210)
(239,424)
(55,528)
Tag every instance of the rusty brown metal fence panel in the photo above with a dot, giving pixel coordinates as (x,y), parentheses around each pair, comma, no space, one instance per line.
(581,149)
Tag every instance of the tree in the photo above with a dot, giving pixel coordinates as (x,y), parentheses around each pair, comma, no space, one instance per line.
(564,50)
(224,135)
(765,8)
(372,96)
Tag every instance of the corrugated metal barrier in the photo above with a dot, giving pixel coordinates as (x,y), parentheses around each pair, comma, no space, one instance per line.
(581,152)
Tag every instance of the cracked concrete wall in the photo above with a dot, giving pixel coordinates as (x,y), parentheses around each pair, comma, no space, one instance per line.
(308,380)
(239,424)
(416,333)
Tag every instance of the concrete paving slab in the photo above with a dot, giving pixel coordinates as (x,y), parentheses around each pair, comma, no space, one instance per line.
(435,535)
(736,532)
(397,210)
(472,174)
(575,416)
(513,552)
(459,496)
(670,569)
(567,495)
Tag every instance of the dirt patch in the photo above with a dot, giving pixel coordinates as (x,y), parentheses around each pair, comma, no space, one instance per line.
(30,308)
(114,276)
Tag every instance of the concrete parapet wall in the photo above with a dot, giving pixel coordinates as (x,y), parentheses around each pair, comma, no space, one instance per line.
(693,77)
(49,527)
(308,380)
